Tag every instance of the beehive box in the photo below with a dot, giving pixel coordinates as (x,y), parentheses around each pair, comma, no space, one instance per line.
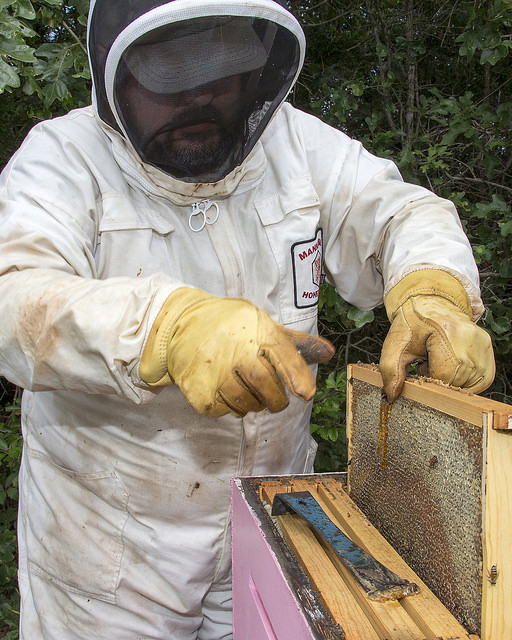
(287,585)
(433,472)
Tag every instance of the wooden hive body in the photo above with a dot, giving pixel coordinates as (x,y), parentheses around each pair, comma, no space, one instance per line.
(433,475)
(288,586)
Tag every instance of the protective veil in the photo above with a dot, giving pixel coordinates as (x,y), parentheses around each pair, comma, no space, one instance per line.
(193,85)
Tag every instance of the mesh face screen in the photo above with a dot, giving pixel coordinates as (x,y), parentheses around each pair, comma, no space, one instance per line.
(192,92)
(195,97)
(416,473)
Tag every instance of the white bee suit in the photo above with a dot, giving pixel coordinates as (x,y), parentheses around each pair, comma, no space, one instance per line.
(124,490)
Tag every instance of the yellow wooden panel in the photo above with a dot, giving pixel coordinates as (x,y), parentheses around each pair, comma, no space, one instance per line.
(497,550)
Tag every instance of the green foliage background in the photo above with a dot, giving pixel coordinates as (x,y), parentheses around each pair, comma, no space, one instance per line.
(426,84)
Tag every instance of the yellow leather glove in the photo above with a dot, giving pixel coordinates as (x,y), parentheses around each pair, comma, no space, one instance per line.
(226,354)
(430,315)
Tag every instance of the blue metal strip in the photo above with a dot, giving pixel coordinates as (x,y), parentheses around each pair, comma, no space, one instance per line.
(377,580)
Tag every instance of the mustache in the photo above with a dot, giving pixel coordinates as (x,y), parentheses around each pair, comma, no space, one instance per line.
(193,116)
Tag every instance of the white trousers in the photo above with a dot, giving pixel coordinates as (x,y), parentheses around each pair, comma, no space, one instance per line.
(64,615)
(154,598)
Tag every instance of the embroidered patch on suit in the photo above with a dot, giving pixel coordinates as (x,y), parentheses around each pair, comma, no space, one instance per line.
(307,270)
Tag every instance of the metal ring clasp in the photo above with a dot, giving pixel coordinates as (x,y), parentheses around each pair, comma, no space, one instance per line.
(204,209)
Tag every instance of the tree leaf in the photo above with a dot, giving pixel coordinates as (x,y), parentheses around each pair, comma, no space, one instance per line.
(21,52)
(360,317)
(8,75)
(24,9)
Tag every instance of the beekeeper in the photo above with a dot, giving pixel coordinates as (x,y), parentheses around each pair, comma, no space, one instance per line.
(161,255)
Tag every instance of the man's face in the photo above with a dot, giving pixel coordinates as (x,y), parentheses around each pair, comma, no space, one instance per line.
(189,133)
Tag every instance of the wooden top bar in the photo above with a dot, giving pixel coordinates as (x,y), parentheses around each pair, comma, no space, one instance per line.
(453,401)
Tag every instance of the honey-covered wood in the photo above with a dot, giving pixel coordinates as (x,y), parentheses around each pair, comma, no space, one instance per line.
(432,472)
(330,597)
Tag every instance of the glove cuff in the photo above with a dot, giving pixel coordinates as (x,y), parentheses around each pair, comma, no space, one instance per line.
(428,282)
(153,364)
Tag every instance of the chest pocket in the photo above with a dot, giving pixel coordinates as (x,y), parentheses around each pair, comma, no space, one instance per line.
(291,219)
(132,240)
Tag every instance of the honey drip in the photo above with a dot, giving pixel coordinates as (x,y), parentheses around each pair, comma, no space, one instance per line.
(385,410)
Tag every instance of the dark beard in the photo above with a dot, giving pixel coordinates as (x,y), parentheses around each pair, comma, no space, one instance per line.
(196,161)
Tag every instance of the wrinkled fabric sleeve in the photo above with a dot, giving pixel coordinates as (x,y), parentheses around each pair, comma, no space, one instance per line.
(379,228)
(62,327)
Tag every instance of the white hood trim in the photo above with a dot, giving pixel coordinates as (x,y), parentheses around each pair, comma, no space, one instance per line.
(180,10)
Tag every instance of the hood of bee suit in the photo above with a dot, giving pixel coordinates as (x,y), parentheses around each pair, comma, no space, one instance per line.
(192,84)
